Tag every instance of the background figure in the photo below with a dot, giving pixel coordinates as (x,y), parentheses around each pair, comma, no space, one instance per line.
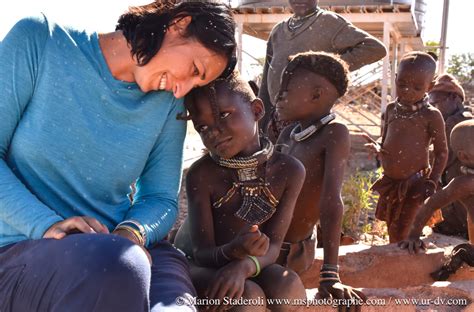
(311,29)
(85,115)
(448,96)
(410,125)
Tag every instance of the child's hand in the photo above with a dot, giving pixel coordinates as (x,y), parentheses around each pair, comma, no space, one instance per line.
(412,244)
(373,146)
(229,281)
(250,242)
(337,290)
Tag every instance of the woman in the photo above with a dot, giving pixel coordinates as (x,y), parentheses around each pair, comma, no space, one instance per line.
(83,117)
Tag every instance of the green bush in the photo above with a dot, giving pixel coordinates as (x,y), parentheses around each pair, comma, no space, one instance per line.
(358,200)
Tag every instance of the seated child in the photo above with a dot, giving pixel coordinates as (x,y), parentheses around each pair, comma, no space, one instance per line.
(448,96)
(410,126)
(460,189)
(241,197)
(310,85)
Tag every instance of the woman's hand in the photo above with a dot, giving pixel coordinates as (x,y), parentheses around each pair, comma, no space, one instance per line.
(229,281)
(126,234)
(249,242)
(336,290)
(75,225)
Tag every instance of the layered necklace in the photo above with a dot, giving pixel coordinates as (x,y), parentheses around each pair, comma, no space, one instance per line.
(296,22)
(300,135)
(258,203)
(409,111)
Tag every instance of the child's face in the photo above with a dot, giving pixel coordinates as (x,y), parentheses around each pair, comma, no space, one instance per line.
(307,95)
(236,133)
(446,102)
(412,83)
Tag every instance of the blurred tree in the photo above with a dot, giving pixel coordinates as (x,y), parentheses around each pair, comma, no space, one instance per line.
(462,67)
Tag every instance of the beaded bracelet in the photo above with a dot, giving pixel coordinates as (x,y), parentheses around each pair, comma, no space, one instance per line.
(257,265)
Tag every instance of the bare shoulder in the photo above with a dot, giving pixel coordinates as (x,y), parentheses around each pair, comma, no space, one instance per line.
(336,132)
(200,168)
(292,167)
(433,113)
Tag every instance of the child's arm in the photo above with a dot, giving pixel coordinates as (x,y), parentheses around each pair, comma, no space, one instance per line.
(438,135)
(331,207)
(458,188)
(337,153)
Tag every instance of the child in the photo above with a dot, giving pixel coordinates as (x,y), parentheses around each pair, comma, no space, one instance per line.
(448,96)
(241,198)
(410,126)
(460,189)
(310,85)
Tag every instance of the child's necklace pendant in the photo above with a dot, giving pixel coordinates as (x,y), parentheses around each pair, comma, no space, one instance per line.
(247,174)
(255,208)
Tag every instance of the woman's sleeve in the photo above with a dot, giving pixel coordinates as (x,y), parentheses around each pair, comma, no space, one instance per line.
(357,47)
(155,205)
(20,56)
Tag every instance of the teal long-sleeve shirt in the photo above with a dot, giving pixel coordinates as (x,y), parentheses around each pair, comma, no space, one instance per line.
(73,138)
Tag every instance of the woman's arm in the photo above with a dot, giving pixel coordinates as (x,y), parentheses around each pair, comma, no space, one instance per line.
(21,53)
(155,204)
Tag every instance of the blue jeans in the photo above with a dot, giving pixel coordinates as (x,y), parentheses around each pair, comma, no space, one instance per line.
(92,272)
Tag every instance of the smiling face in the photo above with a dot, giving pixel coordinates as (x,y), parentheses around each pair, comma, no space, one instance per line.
(303,7)
(180,65)
(236,131)
(412,81)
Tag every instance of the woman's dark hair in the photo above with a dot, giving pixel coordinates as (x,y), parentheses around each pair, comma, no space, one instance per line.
(212,25)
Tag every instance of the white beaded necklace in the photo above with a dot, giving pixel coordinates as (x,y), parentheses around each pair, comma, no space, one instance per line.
(467,170)
(309,131)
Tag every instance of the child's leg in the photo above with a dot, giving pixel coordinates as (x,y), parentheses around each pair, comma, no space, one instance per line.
(399,230)
(281,283)
(470,228)
(201,276)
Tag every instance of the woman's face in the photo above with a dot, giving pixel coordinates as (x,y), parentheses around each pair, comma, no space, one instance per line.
(180,65)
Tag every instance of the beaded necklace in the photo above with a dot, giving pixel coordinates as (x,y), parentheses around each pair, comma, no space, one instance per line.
(409,111)
(300,135)
(466,170)
(296,22)
(258,203)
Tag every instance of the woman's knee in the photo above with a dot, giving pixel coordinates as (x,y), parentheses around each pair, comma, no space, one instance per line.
(110,258)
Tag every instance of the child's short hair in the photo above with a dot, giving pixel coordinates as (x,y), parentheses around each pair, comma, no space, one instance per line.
(421,59)
(462,137)
(233,84)
(327,65)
